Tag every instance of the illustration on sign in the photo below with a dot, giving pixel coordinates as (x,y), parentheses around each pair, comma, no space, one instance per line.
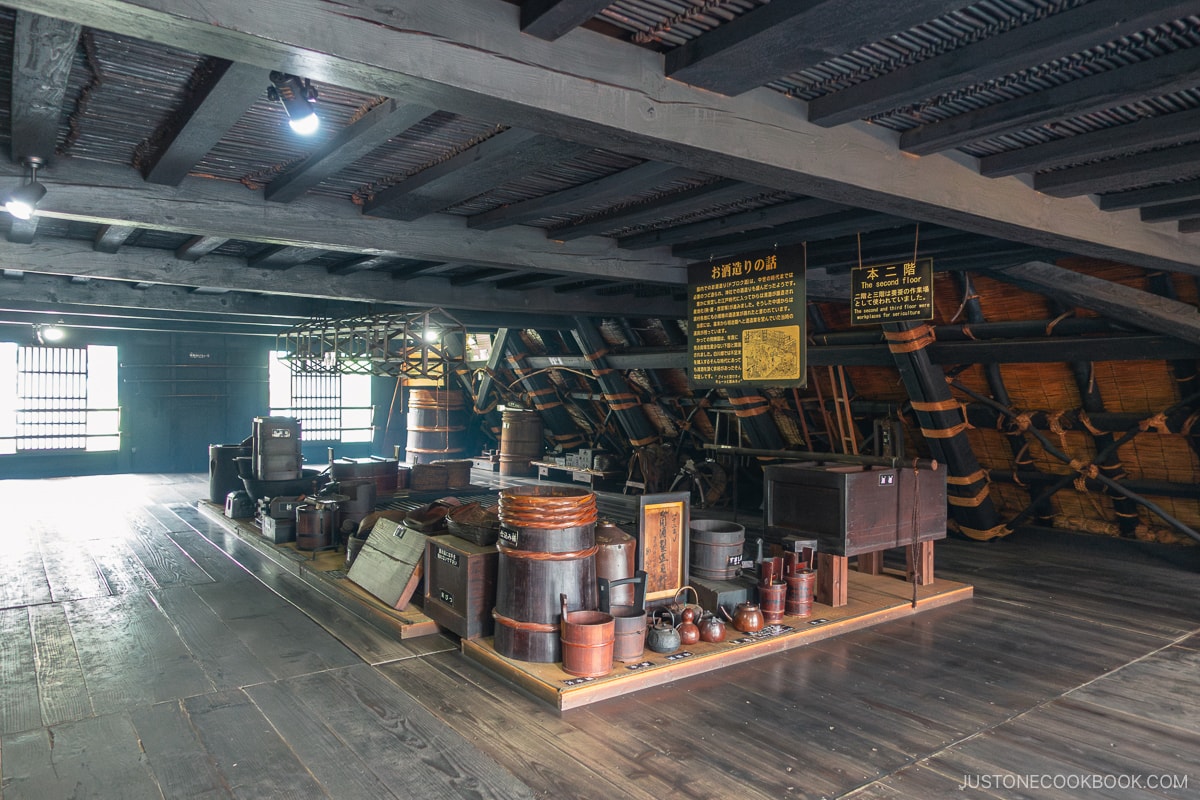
(891,292)
(771,354)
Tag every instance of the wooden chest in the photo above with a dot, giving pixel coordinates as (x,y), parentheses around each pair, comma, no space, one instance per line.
(460,585)
(855,509)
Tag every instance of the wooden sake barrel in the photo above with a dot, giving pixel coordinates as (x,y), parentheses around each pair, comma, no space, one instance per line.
(587,642)
(316,526)
(520,441)
(538,563)
(616,557)
(361,501)
(716,549)
(437,426)
(223,476)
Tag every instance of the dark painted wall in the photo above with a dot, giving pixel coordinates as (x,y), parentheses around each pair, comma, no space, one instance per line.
(181,392)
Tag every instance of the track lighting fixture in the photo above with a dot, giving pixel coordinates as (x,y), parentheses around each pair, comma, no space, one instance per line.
(299,101)
(21,202)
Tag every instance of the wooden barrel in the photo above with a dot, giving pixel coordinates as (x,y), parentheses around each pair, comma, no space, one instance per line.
(223,476)
(616,556)
(587,642)
(542,558)
(403,473)
(520,441)
(800,592)
(772,600)
(716,549)
(383,472)
(437,426)
(316,526)
(275,448)
(361,501)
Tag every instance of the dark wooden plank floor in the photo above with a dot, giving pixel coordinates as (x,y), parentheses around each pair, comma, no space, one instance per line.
(139,659)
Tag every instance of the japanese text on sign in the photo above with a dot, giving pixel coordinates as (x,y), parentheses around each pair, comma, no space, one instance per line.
(746,322)
(891,292)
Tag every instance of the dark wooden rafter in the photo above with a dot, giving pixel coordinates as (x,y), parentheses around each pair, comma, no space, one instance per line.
(109,238)
(197,247)
(493,162)
(550,19)
(43,51)
(543,396)
(758,219)
(818,325)
(1168,212)
(360,264)
(481,275)
(686,201)
(422,268)
(1020,48)
(753,411)
(283,257)
(1151,196)
(970,504)
(619,397)
(495,357)
(1116,174)
(843,223)
(580,285)
(1154,313)
(1162,131)
(220,98)
(383,122)
(22,231)
(781,38)
(1173,72)
(1189,225)
(607,189)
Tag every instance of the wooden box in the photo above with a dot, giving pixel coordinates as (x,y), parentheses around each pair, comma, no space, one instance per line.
(728,594)
(278,531)
(855,509)
(460,585)
(390,563)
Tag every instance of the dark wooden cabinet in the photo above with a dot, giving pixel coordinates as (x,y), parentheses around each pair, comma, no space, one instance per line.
(460,585)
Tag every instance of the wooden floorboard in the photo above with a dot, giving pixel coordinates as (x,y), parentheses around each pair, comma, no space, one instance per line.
(167,563)
(97,757)
(62,689)
(402,743)
(1161,687)
(19,707)
(23,580)
(180,764)
(247,751)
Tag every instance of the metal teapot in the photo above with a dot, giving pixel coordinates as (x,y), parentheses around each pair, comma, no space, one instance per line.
(748,618)
(661,637)
(689,631)
(711,629)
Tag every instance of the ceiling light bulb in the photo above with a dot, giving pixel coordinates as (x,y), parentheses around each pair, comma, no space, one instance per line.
(430,335)
(50,333)
(22,201)
(306,126)
(297,96)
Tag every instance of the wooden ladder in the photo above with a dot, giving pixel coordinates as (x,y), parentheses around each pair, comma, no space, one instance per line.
(840,421)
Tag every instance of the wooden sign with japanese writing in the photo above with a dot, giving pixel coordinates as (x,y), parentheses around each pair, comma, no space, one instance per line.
(746,320)
(891,292)
(663,536)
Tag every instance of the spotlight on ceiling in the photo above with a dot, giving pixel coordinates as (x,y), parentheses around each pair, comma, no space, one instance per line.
(21,202)
(299,101)
(48,334)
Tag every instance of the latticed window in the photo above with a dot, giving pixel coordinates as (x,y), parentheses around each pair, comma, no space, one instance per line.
(58,398)
(330,406)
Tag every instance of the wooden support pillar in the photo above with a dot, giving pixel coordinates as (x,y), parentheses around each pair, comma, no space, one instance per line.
(943,426)
(544,397)
(923,572)
(617,394)
(871,563)
(754,411)
(832,579)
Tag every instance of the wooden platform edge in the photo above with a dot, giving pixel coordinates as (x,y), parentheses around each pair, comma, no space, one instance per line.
(407,623)
(566,698)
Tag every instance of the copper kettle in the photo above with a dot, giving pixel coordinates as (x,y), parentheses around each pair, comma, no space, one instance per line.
(711,629)
(747,618)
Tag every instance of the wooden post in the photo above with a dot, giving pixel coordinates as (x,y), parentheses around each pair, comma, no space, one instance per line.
(924,571)
(832,579)
(871,563)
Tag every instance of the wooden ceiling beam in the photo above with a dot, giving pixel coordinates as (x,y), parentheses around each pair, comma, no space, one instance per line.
(197,247)
(1162,131)
(469,57)
(493,162)
(550,19)
(602,190)
(360,264)
(484,275)
(382,123)
(1169,212)
(1189,225)
(1117,174)
(1157,76)
(136,264)
(43,51)
(687,201)
(778,214)
(778,39)
(284,257)
(1113,300)
(222,94)
(103,194)
(1022,47)
(22,231)
(1152,196)
(844,223)
(110,237)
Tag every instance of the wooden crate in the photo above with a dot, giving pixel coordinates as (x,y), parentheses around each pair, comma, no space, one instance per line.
(390,563)
(460,585)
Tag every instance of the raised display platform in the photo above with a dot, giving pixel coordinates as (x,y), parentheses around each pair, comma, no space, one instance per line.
(872,599)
